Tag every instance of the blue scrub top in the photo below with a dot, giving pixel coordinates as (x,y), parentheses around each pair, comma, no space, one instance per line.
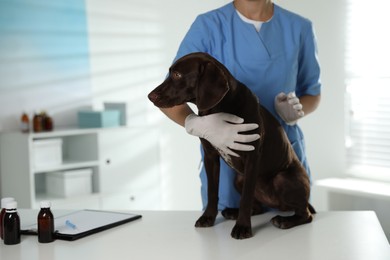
(281,57)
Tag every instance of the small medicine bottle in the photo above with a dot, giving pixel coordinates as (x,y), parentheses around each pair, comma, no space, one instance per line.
(48,123)
(11,224)
(4,202)
(37,123)
(24,123)
(45,223)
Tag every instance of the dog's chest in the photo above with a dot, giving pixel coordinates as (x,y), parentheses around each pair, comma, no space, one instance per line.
(226,157)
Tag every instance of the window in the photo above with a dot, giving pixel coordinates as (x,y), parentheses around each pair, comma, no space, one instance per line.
(367,64)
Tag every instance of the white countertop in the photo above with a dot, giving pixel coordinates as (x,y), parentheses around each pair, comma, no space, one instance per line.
(171,235)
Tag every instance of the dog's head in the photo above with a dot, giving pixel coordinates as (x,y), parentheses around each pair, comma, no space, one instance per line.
(196,78)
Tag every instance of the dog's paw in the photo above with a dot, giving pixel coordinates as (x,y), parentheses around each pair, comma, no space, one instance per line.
(205,221)
(230,213)
(280,222)
(241,232)
(290,221)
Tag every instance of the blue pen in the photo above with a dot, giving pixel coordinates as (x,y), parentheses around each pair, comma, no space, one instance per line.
(70,224)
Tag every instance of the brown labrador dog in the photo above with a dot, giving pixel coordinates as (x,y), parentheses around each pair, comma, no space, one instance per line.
(271,175)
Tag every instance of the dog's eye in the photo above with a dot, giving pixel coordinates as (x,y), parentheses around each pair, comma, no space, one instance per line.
(176,75)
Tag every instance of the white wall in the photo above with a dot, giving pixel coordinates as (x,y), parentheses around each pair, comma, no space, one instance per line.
(131,45)
(44,60)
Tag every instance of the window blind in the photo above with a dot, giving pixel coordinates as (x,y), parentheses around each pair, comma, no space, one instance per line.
(367,64)
(44,60)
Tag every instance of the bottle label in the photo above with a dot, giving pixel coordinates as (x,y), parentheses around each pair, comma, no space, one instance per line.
(24,126)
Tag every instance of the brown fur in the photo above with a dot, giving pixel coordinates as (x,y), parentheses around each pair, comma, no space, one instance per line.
(271,175)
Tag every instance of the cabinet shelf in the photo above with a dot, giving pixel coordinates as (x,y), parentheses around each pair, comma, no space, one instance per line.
(65,132)
(120,177)
(67,165)
(25,179)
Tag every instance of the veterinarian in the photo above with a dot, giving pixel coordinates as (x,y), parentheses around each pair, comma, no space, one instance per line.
(273,52)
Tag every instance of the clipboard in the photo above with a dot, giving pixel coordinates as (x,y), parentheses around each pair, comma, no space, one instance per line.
(84,223)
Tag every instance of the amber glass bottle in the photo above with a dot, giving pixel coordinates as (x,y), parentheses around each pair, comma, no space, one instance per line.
(11,224)
(45,223)
(37,123)
(24,123)
(4,202)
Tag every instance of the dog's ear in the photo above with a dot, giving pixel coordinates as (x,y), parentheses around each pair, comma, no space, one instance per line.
(213,85)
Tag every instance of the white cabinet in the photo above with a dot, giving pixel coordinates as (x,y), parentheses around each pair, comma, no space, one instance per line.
(124,163)
(129,169)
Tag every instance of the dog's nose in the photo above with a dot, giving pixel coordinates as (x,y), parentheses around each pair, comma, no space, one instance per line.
(153,96)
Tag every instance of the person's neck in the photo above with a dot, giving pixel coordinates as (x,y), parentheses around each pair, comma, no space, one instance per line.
(258,10)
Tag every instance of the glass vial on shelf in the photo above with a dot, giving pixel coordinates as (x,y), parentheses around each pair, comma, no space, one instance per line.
(48,123)
(37,123)
(24,123)
(45,223)
(4,202)
(11,224)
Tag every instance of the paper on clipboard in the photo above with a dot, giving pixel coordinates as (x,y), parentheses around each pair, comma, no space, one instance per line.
(87,222)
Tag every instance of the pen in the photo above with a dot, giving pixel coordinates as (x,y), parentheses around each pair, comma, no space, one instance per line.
(70,224)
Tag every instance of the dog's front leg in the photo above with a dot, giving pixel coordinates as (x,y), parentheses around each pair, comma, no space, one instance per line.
(212,166)
(243,227)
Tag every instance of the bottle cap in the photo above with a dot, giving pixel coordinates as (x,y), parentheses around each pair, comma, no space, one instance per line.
(11,205)
(4,201)
(45,204)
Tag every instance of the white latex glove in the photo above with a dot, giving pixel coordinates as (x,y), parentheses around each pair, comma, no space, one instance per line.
(288,107)
(222,130)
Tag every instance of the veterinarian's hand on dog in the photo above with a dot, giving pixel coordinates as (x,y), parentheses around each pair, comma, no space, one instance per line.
(223,131)
(288,107)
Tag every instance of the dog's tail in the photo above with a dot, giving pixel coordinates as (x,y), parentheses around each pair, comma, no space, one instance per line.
(311,209)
